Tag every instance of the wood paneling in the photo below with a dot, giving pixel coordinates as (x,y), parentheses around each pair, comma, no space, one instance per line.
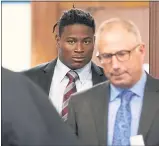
(44,16)
(154,39)
(68,5)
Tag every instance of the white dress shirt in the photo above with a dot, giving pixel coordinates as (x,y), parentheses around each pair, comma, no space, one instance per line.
(60,81)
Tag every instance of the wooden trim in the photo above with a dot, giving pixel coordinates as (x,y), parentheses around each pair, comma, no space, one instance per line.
(154,36)
(68,5)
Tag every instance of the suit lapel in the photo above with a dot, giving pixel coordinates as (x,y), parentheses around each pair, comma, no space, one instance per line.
(99,108)
(150,106)
(97,75)
(48,72)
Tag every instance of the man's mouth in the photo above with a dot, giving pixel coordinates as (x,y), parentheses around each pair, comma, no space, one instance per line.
(117,74)
(78,58)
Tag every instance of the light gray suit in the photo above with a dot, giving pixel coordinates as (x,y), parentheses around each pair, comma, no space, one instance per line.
(88,114)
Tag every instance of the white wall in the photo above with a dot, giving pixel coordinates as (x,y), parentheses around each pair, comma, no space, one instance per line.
(16,35)
(146,67)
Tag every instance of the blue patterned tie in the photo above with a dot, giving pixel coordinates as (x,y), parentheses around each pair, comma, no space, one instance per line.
(122,127)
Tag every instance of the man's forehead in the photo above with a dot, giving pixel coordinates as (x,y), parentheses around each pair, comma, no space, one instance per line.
(114,47)
(77,28)
(79,37)
(116,39)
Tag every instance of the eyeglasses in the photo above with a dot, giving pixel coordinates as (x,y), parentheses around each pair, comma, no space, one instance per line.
(122,55)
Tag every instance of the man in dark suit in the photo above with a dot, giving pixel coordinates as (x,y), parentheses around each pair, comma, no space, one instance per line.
(115,111)
(28,118)
(75,41)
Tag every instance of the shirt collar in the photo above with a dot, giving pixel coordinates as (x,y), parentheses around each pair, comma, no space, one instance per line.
(114,92)
(83,73)
(138,88)
(61,69)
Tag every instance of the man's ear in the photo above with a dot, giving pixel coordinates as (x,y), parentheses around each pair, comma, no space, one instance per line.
(94,38)
(142,50)
(57,38)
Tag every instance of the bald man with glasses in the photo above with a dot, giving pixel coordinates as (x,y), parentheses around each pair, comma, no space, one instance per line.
(113,112)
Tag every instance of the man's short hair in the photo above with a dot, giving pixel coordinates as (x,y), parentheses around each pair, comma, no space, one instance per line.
(75,16)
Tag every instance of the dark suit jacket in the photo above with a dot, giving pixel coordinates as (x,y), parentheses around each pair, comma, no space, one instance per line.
(42,74)
(88,114)
(28,117)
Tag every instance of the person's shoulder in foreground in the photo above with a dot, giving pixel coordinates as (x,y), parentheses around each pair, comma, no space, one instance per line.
(28,118)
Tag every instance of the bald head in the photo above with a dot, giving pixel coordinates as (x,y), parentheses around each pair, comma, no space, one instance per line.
(117,24)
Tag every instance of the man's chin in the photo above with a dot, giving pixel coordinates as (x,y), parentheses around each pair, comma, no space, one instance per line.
(77,65)
(118,82)
(121,84)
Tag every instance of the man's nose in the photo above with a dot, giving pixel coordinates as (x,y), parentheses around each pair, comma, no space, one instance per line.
(115,63)
(79,48)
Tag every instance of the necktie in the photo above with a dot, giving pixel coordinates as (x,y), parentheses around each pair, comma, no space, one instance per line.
(70,89)
(122,127)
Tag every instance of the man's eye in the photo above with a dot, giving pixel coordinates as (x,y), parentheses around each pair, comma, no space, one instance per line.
(71,42)
(122,53)
(107,55)
(87,42)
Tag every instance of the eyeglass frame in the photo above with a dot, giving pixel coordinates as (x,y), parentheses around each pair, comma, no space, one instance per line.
(128,52)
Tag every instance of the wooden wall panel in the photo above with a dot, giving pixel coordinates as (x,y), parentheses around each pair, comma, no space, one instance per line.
(154,39)
(44,16)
